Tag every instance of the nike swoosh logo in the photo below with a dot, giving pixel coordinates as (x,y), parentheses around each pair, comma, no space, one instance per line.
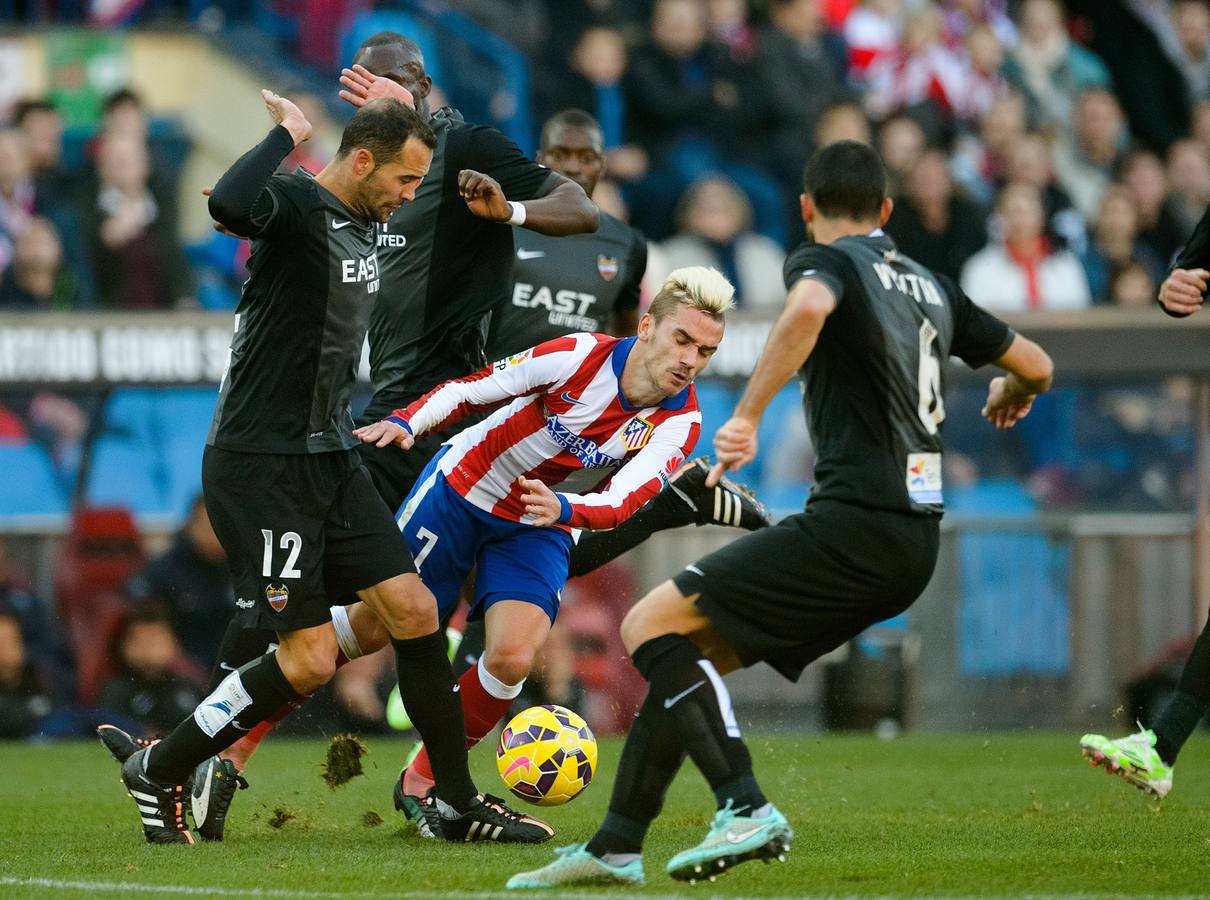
(568,398)
(336,226)
(671,701)
(742,836)
(201,802)
(530,254)
(521,762)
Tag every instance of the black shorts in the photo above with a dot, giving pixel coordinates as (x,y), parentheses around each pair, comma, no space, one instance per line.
(788,594)
(302,532)
(395,471)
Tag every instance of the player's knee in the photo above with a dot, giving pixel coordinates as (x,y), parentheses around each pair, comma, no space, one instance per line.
(637,627)
(510,665)
(309,665)
(404,606)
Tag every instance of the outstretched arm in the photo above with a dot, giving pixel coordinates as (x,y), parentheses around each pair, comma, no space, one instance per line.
(565,210)
(240,200)
(790,343)
(1030,372)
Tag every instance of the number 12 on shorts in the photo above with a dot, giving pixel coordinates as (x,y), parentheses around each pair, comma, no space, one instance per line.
(291,541)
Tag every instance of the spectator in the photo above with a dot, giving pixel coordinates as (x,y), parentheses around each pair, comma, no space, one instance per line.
(22,197)
(981,163)
(696,112)
(1087,161)
(982,82)
(1115,245)
(1191,20)
(922,70)
(963,17)
(731,27)
(37,278)
(45,645)
(193,582)
(42,126)
(148,689)
(24,702)
(1051,70)
(801,65)
(1133,286)
(872,32)
(715,230)
(1160,225)
(598,66)
(901,142)
(1029,161)
(140,264)
(1023,271)
(843,122)
(932,223)
(1189,179)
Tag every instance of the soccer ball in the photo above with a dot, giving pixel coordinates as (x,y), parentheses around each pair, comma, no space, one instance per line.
(546,755)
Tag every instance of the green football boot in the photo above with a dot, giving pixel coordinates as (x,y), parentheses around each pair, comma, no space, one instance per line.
(575,865)
(1132,757)
(733,839)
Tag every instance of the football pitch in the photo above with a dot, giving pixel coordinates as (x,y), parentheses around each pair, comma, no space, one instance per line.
(966,815)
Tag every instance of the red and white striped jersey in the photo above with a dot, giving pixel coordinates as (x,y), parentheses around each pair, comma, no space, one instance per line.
(566,424)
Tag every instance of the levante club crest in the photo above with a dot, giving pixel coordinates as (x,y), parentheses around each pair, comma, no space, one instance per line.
(607,266)
(278,596)
(636,433)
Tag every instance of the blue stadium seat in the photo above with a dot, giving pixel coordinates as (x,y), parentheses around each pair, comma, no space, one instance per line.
(126,472)
(186,413)
(369,23)
(31,488)
(131,413)
(786,404)
(716,400)
(1013,616)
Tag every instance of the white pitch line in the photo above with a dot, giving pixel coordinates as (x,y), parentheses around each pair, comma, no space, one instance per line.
(54,884)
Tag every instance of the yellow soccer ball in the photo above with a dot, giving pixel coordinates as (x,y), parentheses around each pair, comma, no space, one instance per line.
(546,755)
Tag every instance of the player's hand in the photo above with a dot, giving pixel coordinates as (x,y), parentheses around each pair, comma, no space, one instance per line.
(361,86)
(1183,291)
(484,196)
(734,446)
(384,433)
(540,501)
(288,115)
(1005,409)
(220,228)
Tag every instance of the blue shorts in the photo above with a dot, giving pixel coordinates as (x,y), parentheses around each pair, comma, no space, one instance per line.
(449,536)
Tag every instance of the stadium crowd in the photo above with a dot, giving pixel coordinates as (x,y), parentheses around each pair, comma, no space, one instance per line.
(1038,157)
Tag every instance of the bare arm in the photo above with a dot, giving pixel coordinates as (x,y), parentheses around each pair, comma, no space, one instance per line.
(790,343)
(565,210)
(1030,372)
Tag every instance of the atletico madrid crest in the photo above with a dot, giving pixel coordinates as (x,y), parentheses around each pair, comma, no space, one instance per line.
(636,433)
(607,266)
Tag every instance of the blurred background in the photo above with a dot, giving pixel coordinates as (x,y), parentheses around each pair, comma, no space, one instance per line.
(1050,157)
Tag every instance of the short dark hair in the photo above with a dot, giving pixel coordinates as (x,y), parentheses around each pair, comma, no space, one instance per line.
(390,39)
(120,97)
(846,180)
(383,126)
(571,118)
(25,108)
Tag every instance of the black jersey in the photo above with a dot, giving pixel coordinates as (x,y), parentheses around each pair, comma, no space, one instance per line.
(562,285)
(300,323)
(873,383)
(443,267)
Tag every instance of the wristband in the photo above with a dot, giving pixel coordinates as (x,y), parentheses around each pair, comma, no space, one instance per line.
(518,216)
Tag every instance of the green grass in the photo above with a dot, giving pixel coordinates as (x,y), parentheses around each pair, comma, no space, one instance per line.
(924,815)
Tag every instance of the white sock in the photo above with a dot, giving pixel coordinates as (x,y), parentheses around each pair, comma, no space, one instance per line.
(760,813)
(345,637)
(617,860)
(495,686)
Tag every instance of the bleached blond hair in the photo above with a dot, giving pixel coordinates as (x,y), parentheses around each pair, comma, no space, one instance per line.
(699,287)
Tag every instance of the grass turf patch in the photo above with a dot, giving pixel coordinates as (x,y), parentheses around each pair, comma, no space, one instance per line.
(925,815)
